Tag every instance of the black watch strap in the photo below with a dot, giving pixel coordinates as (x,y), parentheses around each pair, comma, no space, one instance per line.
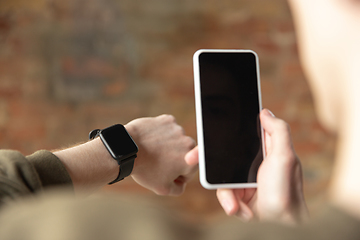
(125,168)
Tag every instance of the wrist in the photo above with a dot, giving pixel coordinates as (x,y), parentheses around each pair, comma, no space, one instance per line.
(120,146)
(134,133)
(132,130)
(106,166)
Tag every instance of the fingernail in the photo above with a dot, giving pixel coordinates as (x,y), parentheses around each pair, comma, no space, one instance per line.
(269,112)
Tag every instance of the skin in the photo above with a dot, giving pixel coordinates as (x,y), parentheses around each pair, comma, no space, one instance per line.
(160,164)
(330,53)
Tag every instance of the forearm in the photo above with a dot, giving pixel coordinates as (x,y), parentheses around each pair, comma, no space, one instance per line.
(89,165)
(159,165)
(86,167)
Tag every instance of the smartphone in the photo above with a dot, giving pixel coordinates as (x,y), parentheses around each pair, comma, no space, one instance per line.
(228,104)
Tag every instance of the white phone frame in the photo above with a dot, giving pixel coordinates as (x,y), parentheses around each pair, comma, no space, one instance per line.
(199,119)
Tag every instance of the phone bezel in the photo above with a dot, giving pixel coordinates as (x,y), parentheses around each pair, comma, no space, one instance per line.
(199,119)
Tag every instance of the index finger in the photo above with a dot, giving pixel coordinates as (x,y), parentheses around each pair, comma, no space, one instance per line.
(279,133)
(192,157)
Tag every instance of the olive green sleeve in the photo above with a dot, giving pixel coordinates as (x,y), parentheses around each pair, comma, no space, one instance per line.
(21,175)
(50,169)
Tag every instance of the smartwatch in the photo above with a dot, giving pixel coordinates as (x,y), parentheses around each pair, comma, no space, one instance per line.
(120,146)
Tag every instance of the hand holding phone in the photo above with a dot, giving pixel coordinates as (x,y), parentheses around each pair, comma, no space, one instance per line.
(279,195)
(228,103)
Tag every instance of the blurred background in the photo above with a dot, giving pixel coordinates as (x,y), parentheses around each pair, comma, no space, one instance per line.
(69,66)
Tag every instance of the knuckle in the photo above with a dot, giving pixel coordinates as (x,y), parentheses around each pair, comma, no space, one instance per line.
(189,143)
(177,130)
(168,117)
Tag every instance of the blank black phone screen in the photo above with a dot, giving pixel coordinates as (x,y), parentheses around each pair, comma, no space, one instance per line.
(230,114)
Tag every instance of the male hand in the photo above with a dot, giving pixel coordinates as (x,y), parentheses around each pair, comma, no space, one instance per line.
(160,164)
(279,195)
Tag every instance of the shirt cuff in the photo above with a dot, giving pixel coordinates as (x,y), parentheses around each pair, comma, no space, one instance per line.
(50,169)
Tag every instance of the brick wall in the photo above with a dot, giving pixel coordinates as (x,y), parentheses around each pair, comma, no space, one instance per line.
(68,66)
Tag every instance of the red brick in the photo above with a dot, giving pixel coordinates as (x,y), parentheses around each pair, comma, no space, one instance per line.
(115,88)
(90,66)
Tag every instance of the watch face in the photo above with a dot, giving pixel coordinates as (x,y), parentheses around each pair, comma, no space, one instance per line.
(118,142)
